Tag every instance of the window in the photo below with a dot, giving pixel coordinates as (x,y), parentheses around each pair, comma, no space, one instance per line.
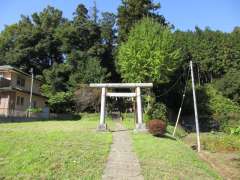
(20,82)
(20,100)
(34,104)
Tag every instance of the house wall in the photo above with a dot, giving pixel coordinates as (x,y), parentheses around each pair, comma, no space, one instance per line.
(4,103)
(40,102)
(6,74)
(8,104)
(36,83)
(13,76)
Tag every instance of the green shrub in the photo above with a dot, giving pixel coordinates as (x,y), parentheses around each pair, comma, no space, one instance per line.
(34,110)
(235,131)
(61,102)
(218,108)
(218,103)
(229,85)
(157,111)
(180,132)
(227,121)
(220,142)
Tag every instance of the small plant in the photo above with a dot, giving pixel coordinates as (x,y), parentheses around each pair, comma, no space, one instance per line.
(157,111)
(157,127)
(157,119)
(235,131)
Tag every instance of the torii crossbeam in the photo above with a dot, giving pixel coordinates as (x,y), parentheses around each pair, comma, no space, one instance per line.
(140,126)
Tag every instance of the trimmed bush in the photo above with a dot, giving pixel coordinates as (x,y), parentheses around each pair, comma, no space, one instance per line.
(157,127)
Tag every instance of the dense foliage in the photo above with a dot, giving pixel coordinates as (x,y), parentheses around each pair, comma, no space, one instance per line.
(219,104)
(138,45)
(157,111)
(229,85)
(131,11)
(62,52)
(213,106)
(149,54)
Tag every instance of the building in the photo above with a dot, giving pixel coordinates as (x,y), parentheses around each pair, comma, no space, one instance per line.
(15,88)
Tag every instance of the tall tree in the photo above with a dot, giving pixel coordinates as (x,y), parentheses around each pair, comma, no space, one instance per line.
(108,38)
(33,41)
(149,54)
(131,11)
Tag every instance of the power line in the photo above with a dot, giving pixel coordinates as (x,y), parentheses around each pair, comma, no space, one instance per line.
(174,84)
(180,109)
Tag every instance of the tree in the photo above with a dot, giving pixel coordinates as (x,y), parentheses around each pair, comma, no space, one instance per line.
(131,11)
(56,88)
(108,37)
(229,85)
(32,41)
(149,54)
(86,69)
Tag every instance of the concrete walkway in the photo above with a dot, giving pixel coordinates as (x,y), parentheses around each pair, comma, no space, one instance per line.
(122,163)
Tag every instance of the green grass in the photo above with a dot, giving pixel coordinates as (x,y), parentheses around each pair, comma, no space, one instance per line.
(180,132)
(53,150)
(168,158)
(217,142)
(165,158)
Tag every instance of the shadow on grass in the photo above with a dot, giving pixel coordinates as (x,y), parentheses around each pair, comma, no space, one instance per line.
(166,136)
(120,130)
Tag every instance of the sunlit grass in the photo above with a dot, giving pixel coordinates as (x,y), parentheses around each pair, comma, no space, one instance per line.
(53,149)
(167,157)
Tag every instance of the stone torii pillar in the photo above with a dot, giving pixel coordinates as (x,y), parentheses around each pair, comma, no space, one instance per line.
(140,126)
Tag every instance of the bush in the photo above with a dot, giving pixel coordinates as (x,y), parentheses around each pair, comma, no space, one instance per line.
(217,108)
(227,121)
(157,127)
(34,110)
(61,102)
(218,103)
(229,85)
(225,111)
(220,142)
(157,111)
(235,131)
(180,131)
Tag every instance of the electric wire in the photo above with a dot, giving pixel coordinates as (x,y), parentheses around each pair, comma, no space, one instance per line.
(170,89)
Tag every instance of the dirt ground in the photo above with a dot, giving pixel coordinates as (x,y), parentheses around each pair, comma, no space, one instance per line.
(227,164)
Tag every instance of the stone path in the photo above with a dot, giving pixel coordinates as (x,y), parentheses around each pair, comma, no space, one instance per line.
(122,163)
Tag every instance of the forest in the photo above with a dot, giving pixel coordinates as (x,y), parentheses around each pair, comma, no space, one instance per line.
(137,44)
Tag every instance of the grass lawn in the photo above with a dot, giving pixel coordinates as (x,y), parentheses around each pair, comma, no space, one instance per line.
(221,150)
(216,142)
(166,158)
(53,150)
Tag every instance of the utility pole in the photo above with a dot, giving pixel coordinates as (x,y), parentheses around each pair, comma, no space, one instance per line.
(195,108)
(31,89)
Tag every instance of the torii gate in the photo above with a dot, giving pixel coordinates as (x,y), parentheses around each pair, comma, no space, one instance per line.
(140,126)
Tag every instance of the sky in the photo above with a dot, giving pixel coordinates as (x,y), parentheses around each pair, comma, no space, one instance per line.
(221,15)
